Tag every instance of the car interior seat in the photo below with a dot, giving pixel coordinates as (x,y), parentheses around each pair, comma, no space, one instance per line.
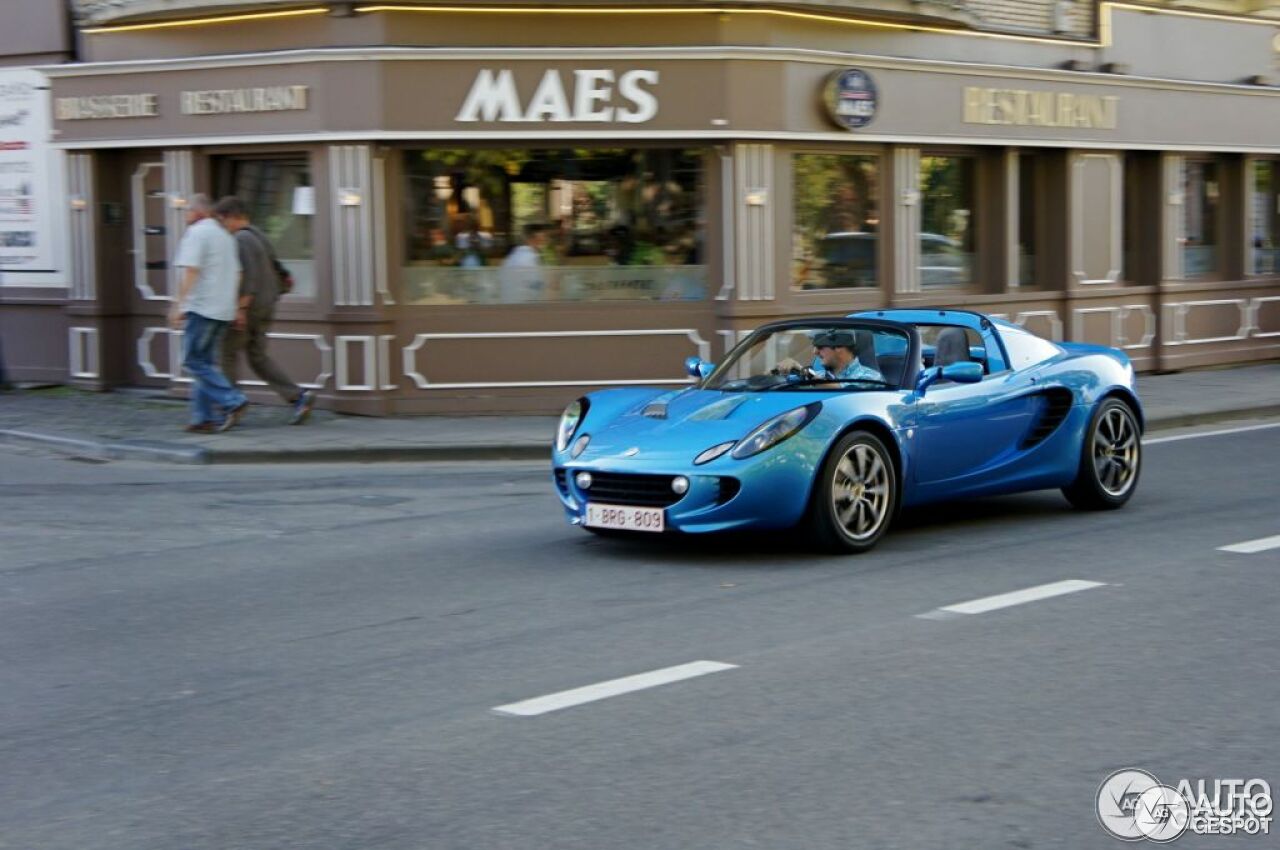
(952,347)
(891,366)
(866,349)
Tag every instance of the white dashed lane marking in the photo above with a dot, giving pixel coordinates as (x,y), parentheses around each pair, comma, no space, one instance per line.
(1252,547)
(612,688)
(1176,437)
(1008,600)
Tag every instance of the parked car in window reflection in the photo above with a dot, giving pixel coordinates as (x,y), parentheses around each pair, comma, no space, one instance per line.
(848,260)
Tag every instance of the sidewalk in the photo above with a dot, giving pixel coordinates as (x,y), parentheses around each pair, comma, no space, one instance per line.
(133,424)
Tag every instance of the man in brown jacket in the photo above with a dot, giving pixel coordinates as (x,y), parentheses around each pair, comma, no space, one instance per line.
(259,291)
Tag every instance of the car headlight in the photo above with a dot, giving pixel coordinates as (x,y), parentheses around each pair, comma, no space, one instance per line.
(776,430)
(569,422)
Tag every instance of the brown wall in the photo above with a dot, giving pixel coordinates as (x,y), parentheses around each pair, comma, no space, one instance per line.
(751,96)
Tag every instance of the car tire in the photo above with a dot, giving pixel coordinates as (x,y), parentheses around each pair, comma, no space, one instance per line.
(1110,460)
(855,495)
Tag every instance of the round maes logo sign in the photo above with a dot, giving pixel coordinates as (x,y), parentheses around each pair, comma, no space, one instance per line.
(850,98)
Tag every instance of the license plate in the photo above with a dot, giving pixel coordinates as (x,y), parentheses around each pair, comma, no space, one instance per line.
(623,518)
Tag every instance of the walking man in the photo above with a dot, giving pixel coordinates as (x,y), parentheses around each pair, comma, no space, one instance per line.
(204,306)
(259,291)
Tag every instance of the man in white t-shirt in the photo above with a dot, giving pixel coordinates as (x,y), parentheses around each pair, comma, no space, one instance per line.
(204,307)
(521,276)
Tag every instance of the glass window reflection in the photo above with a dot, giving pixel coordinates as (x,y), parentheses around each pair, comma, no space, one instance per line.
(520,225)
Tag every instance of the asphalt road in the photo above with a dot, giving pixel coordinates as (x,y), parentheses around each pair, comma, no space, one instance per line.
(310,657)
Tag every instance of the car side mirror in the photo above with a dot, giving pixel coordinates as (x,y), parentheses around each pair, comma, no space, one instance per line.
(965,372)
(698,368)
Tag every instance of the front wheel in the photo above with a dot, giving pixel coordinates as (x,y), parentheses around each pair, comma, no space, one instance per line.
(1110,459)
(855,495)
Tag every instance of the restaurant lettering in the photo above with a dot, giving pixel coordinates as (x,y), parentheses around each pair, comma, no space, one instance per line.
(591,96)
(227,101)
(1022,108)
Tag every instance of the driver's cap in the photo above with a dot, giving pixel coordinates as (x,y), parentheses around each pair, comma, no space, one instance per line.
(834,338)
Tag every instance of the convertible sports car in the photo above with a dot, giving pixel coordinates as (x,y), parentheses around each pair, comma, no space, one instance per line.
(835,424)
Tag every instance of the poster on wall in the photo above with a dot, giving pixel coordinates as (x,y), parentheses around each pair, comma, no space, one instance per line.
(27,226)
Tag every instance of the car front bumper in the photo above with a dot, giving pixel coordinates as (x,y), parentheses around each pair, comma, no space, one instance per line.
(760,493)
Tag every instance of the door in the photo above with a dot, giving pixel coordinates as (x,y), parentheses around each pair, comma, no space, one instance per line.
(968,430)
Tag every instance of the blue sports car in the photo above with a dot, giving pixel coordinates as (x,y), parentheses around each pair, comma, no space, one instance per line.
(835,424)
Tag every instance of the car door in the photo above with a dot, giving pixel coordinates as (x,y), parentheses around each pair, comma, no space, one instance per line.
(967,430)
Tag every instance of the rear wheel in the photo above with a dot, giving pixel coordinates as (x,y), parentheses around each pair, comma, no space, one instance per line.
(855,495)
(1110,460)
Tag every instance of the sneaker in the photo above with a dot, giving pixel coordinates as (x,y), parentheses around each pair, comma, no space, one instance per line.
(234,417)
(302,407)
(201,428)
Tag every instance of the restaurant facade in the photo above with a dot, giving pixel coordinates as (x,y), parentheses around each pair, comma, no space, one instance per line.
(681,175)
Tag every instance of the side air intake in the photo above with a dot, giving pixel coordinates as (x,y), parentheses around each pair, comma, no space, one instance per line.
(1055,404)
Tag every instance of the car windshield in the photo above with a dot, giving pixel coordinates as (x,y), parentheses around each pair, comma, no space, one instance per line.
(815,356)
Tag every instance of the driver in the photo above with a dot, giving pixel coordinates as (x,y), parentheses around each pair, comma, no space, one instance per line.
(834,358)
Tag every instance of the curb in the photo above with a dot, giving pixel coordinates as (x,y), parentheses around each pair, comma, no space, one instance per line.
(120,450)
(385,454)
(161,452)
(170,453)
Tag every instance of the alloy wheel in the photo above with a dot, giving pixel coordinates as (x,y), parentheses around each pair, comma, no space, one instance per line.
(1115,451)
(860,491)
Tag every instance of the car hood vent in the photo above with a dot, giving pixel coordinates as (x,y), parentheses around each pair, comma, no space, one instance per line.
(1054,404)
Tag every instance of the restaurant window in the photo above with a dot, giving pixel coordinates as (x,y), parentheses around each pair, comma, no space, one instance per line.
(1201,195)
(1264,209)
(836,230)
(948,220)
(280,198)
(526,225)
(1030,177)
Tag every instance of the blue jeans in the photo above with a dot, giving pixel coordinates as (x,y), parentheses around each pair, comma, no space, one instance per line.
(199,354)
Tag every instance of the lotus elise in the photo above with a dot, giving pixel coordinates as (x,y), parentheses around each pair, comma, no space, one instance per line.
(836,424)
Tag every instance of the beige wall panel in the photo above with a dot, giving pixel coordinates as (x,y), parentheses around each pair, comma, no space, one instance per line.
(1097,182)
(1266,318)
(1200,322)
(1044,322)
(1095,328)
(574,357)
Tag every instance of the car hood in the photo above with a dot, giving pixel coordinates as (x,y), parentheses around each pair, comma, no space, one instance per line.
(679,425)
